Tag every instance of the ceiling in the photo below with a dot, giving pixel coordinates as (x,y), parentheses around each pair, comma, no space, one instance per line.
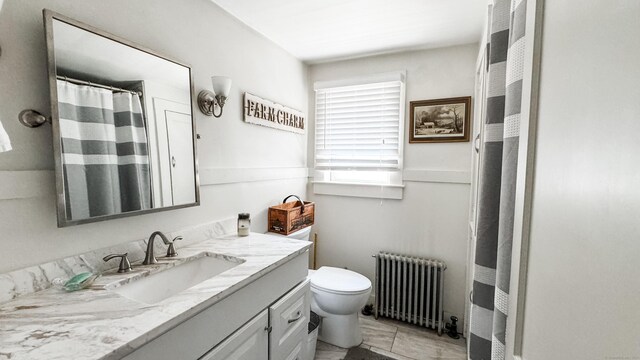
(323,30)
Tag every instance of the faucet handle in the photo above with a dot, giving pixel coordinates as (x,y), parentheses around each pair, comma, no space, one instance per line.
(125,265)
(171,251)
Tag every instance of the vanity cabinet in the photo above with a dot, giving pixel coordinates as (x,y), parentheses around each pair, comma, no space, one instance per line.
(279,333)
(251,342)
(265,319)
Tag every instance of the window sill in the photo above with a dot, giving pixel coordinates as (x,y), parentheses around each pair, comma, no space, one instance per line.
(375,191)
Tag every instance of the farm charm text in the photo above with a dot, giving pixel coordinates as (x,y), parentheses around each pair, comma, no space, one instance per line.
(267,113)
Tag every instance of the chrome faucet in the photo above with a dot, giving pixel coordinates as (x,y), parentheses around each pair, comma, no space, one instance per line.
(150,258)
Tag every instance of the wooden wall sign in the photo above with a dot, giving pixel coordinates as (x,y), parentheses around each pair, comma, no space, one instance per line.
(267,113)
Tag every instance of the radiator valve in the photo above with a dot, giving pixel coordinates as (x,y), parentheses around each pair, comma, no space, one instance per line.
(453,328)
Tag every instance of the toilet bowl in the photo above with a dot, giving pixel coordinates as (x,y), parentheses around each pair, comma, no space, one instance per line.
(337,296)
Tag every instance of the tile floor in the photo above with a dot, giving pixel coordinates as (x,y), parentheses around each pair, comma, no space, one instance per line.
(400,341)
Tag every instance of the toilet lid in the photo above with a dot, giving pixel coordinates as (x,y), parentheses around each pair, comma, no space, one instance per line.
(339,280)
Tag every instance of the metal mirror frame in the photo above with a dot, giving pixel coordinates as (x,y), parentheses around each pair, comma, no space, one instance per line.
(63,221)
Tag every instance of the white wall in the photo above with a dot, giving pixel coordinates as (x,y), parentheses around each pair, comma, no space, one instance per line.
(194,31)
(432,219)
(583,281)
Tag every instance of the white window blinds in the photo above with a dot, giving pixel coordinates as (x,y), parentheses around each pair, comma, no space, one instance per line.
(358,127)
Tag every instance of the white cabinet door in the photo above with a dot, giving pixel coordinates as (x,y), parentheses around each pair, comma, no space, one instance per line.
(250,342)
(289,319)
(296,353)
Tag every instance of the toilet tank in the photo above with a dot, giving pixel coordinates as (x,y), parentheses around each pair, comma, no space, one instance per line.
(298,235)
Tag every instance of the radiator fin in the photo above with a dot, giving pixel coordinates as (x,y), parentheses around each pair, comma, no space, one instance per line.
(410,289)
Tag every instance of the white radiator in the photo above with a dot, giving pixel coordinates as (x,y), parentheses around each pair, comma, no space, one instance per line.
(410,289)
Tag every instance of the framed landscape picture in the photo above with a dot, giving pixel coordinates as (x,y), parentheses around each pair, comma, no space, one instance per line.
(440,120)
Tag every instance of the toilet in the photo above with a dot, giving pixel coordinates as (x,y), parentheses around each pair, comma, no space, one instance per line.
(337,296)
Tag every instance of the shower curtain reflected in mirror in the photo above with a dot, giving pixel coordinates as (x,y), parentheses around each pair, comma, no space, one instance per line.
(104,151)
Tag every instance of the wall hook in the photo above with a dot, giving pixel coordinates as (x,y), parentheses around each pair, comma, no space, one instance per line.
(32,118)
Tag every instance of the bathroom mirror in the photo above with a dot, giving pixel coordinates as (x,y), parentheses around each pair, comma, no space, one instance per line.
(123,126)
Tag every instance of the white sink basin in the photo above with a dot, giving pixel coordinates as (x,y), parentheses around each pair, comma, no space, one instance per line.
(166,283)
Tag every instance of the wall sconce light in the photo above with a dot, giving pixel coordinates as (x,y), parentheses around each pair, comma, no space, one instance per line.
(207,100)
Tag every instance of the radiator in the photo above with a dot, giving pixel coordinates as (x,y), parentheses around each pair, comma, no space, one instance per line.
(410,289)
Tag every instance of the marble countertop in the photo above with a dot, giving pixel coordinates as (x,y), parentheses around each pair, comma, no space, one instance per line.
(100,324)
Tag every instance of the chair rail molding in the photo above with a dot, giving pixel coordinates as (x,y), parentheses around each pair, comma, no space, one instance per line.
(430,176)
(217,176)
(25,184)
(437,176)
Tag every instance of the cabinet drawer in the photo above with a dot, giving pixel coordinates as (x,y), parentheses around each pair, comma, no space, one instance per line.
(250,342)
(289,318)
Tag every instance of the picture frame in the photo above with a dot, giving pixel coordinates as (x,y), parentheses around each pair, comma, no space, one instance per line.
(440,120)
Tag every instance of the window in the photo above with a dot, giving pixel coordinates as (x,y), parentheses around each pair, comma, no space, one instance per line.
(359,131)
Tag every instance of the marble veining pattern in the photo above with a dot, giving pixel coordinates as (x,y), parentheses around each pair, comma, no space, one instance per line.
(43,322)
(37,278)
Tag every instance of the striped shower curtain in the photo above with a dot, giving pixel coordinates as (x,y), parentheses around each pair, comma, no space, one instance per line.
(497,183)
(104,151)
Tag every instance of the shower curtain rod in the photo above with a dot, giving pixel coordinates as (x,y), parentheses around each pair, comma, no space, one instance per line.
(83,82)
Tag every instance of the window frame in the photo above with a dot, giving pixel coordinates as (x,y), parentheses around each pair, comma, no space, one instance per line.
(324,181)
